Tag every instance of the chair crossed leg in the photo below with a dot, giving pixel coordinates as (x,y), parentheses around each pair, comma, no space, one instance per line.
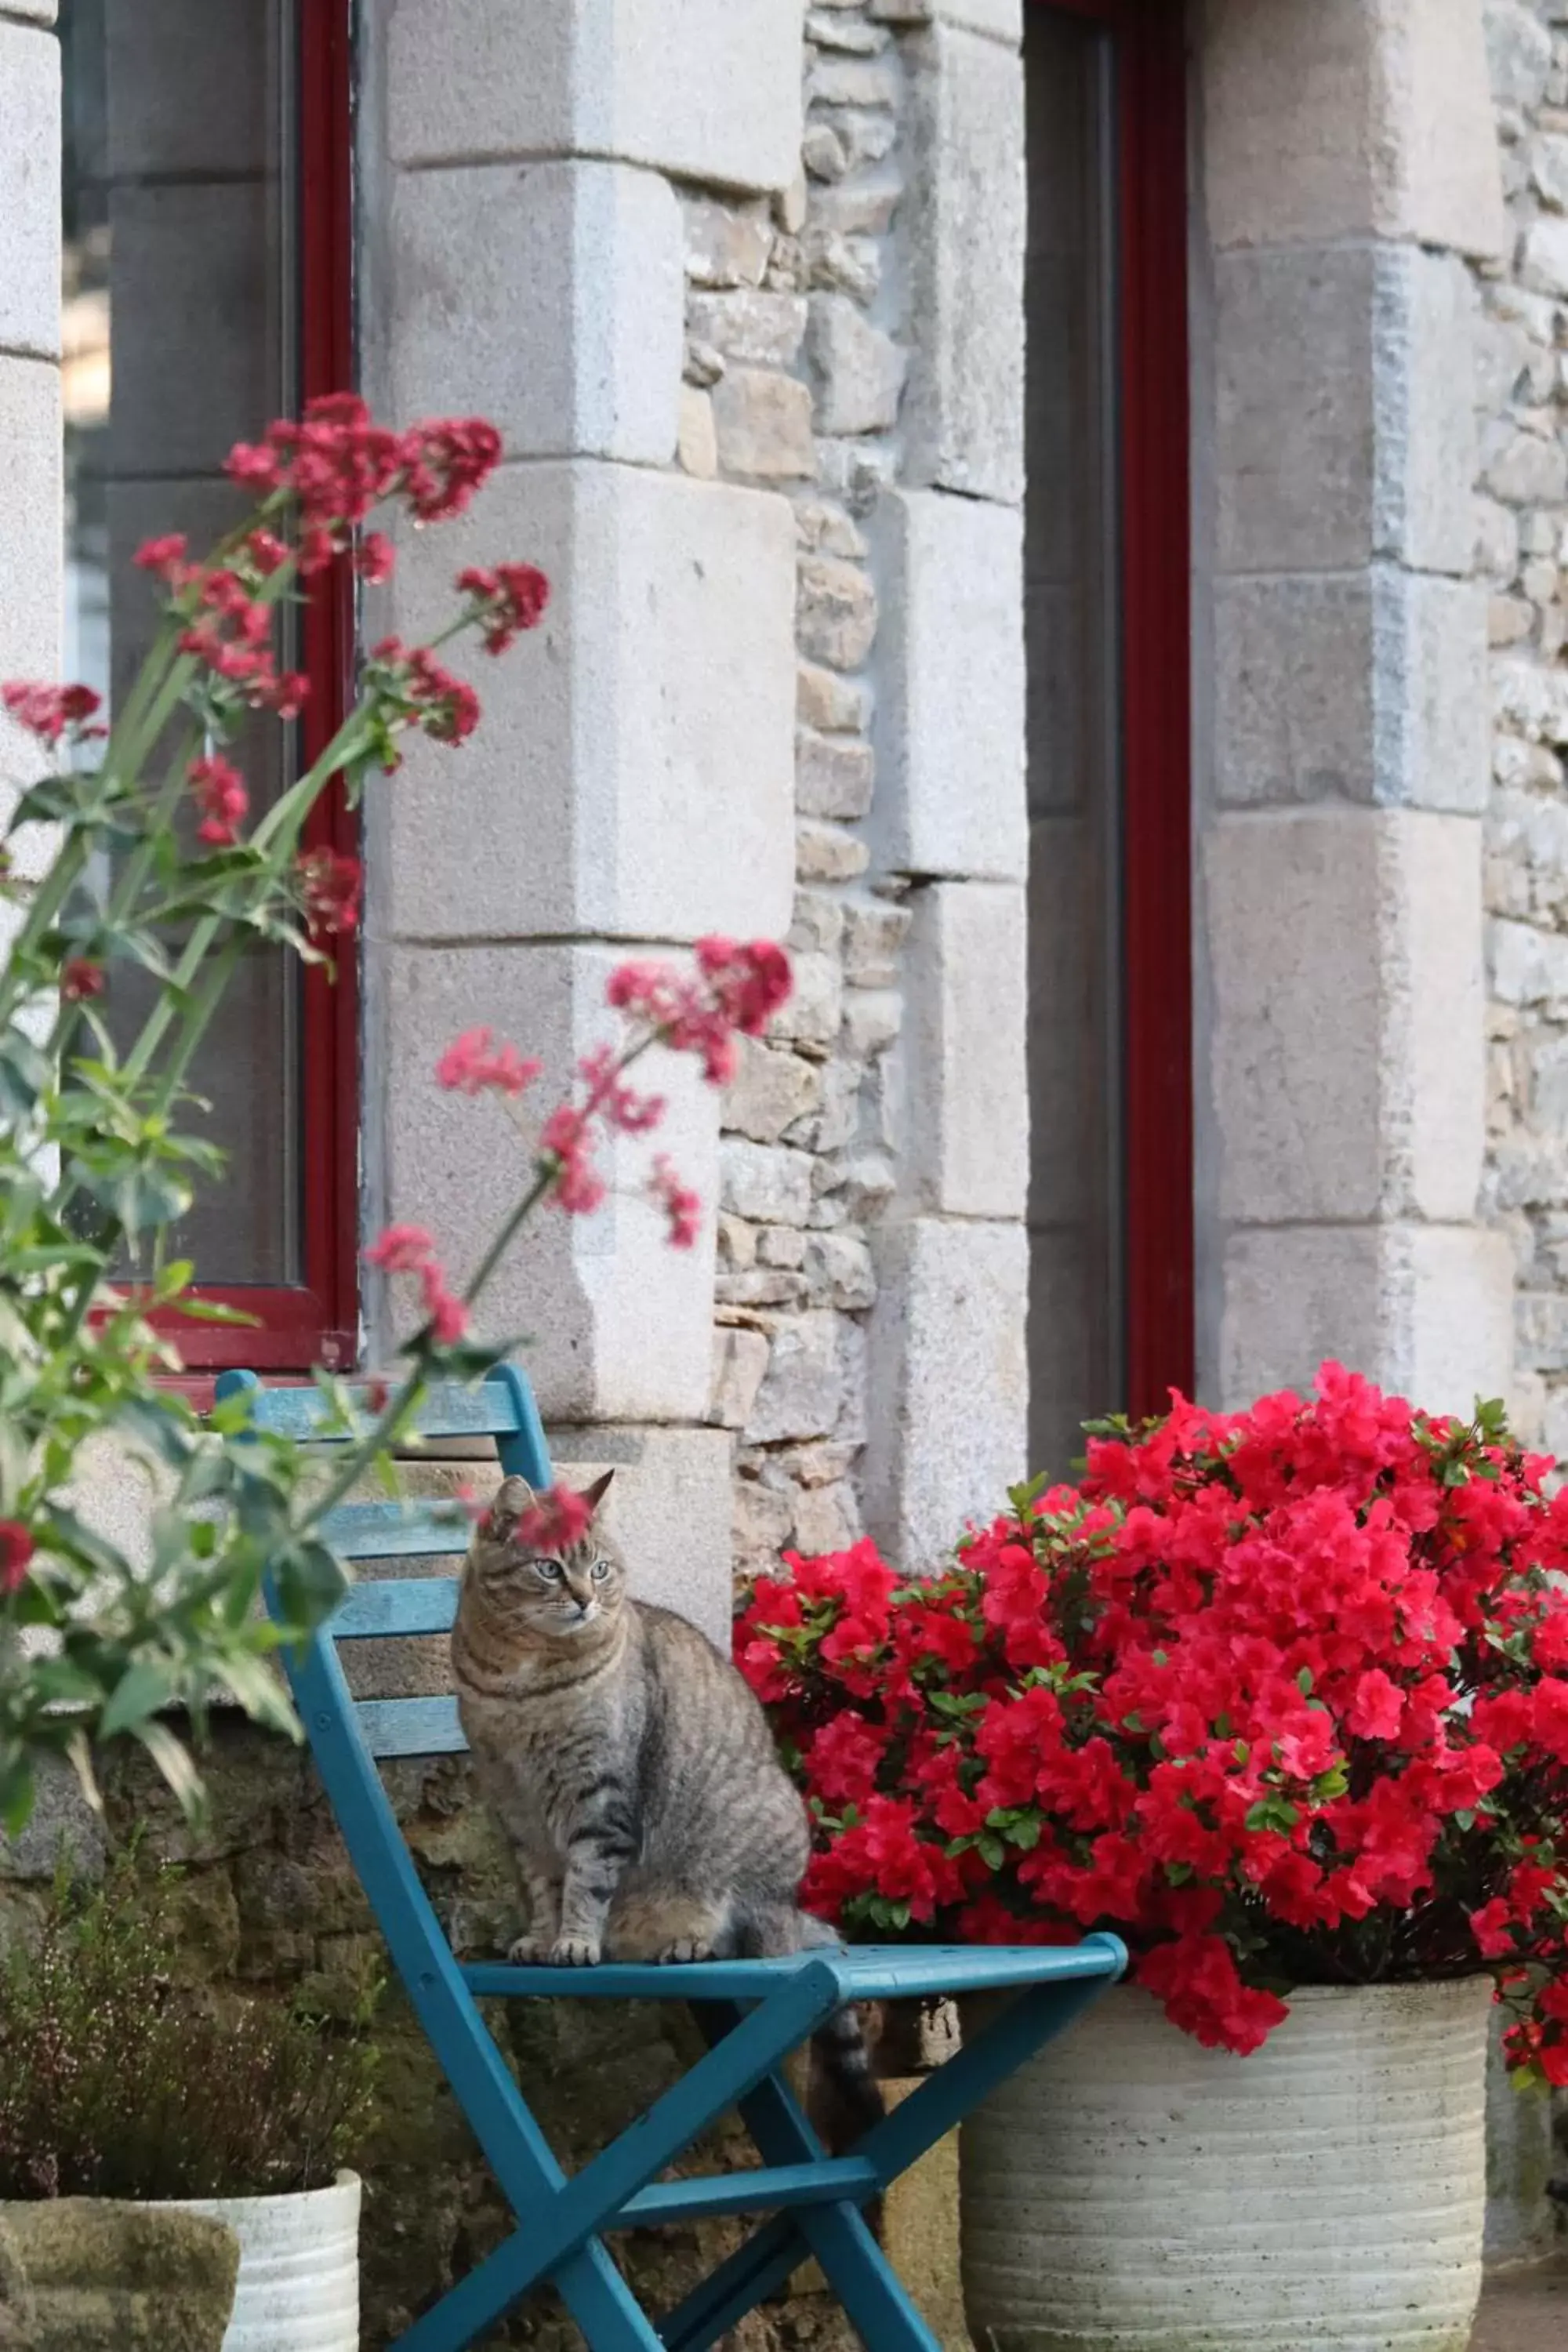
(815,2200)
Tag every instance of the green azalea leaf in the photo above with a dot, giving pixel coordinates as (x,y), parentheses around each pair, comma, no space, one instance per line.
(145,1685)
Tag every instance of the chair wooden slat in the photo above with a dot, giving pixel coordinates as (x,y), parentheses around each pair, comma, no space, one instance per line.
(396,1531)
(411,1726)
(484,1411)
(397,1608)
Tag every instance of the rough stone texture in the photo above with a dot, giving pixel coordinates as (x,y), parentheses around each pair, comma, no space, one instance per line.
(964,1139)
(618,1322)
(1339,120)
(95,2275)
(711,92)
(30,498)
(1353,686)
(1521,521)
(948,1367)
(545,295)
(1425,1307)
(964,407)
(654,762)
(1376,1111)
(29,175)
(1344,424)
(949,730)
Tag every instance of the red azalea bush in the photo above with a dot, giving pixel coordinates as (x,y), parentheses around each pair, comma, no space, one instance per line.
(1281,1696)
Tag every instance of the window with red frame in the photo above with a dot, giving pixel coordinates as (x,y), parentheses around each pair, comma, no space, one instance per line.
(1107,574)
(206,290)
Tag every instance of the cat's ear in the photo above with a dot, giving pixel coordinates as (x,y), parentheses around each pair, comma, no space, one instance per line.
(595,1495)
(512,1499)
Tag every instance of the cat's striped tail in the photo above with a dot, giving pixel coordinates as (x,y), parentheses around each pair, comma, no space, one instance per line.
(853,2098)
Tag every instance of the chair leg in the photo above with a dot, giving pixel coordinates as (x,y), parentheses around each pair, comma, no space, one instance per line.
(597,2297)
(860,2274)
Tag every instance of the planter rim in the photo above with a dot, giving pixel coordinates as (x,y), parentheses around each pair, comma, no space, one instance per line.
(345,2183)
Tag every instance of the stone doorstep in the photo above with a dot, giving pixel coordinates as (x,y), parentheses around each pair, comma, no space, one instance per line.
(1524,2310)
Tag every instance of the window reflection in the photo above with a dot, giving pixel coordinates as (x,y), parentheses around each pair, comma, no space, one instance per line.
(1077,1353)
(178,340)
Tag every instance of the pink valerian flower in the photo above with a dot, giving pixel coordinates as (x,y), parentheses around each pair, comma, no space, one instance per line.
(514,595)
(444,706)
(164,558)
(219,793)
(81,979)
(16,1553)
(680,1205)
(336,464)
(401,1249)
(567,1139)
(553,1522)
(329,890)
(611,1099)
(409,1249)
(373,558)
(749,983)
(734,989)
(470,1064)
(51,711)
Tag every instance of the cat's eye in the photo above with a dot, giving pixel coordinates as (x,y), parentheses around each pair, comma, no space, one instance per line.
(600,1569)
(549,1570)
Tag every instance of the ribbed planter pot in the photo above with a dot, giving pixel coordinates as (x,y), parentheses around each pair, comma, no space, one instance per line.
(297,2289)
(1130,2191)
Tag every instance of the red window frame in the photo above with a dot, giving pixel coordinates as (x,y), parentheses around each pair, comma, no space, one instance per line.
(1154,458)
(316,1321)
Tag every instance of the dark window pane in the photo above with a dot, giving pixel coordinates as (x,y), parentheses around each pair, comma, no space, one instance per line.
(1076,1315)
(179,340)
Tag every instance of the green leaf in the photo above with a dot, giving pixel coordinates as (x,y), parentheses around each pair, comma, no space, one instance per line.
(144,1686)
(214,1310)
(24,1074)
(260,1693)
(992,1852)
(174,1761)
(16,1795)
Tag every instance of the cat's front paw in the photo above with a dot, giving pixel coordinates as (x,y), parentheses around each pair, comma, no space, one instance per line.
(574,1952)
(685,1947)
(529,1952)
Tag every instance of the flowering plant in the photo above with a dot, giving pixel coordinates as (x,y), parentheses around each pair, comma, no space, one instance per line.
(1280,1696)
(131,850)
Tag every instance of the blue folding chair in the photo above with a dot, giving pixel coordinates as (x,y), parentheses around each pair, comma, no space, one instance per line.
(752,2013)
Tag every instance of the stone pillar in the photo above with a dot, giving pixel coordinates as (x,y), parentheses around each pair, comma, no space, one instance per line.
(1348,169)
(631,785)
(947,1379)
(30,491)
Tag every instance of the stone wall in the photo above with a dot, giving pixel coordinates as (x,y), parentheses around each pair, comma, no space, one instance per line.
(1348,172)
(856,342)
(1523,536)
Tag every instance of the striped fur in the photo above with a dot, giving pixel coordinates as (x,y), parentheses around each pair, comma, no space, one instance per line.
(634,1773)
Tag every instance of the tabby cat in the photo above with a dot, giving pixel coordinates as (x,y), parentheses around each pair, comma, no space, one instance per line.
(634,1773)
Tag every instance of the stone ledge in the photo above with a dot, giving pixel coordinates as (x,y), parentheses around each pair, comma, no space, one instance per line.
(548,297)
(710,92)
(1344,120)
(634,775)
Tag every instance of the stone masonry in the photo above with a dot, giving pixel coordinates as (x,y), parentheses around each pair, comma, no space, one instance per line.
(872,1158)
(1523,539)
